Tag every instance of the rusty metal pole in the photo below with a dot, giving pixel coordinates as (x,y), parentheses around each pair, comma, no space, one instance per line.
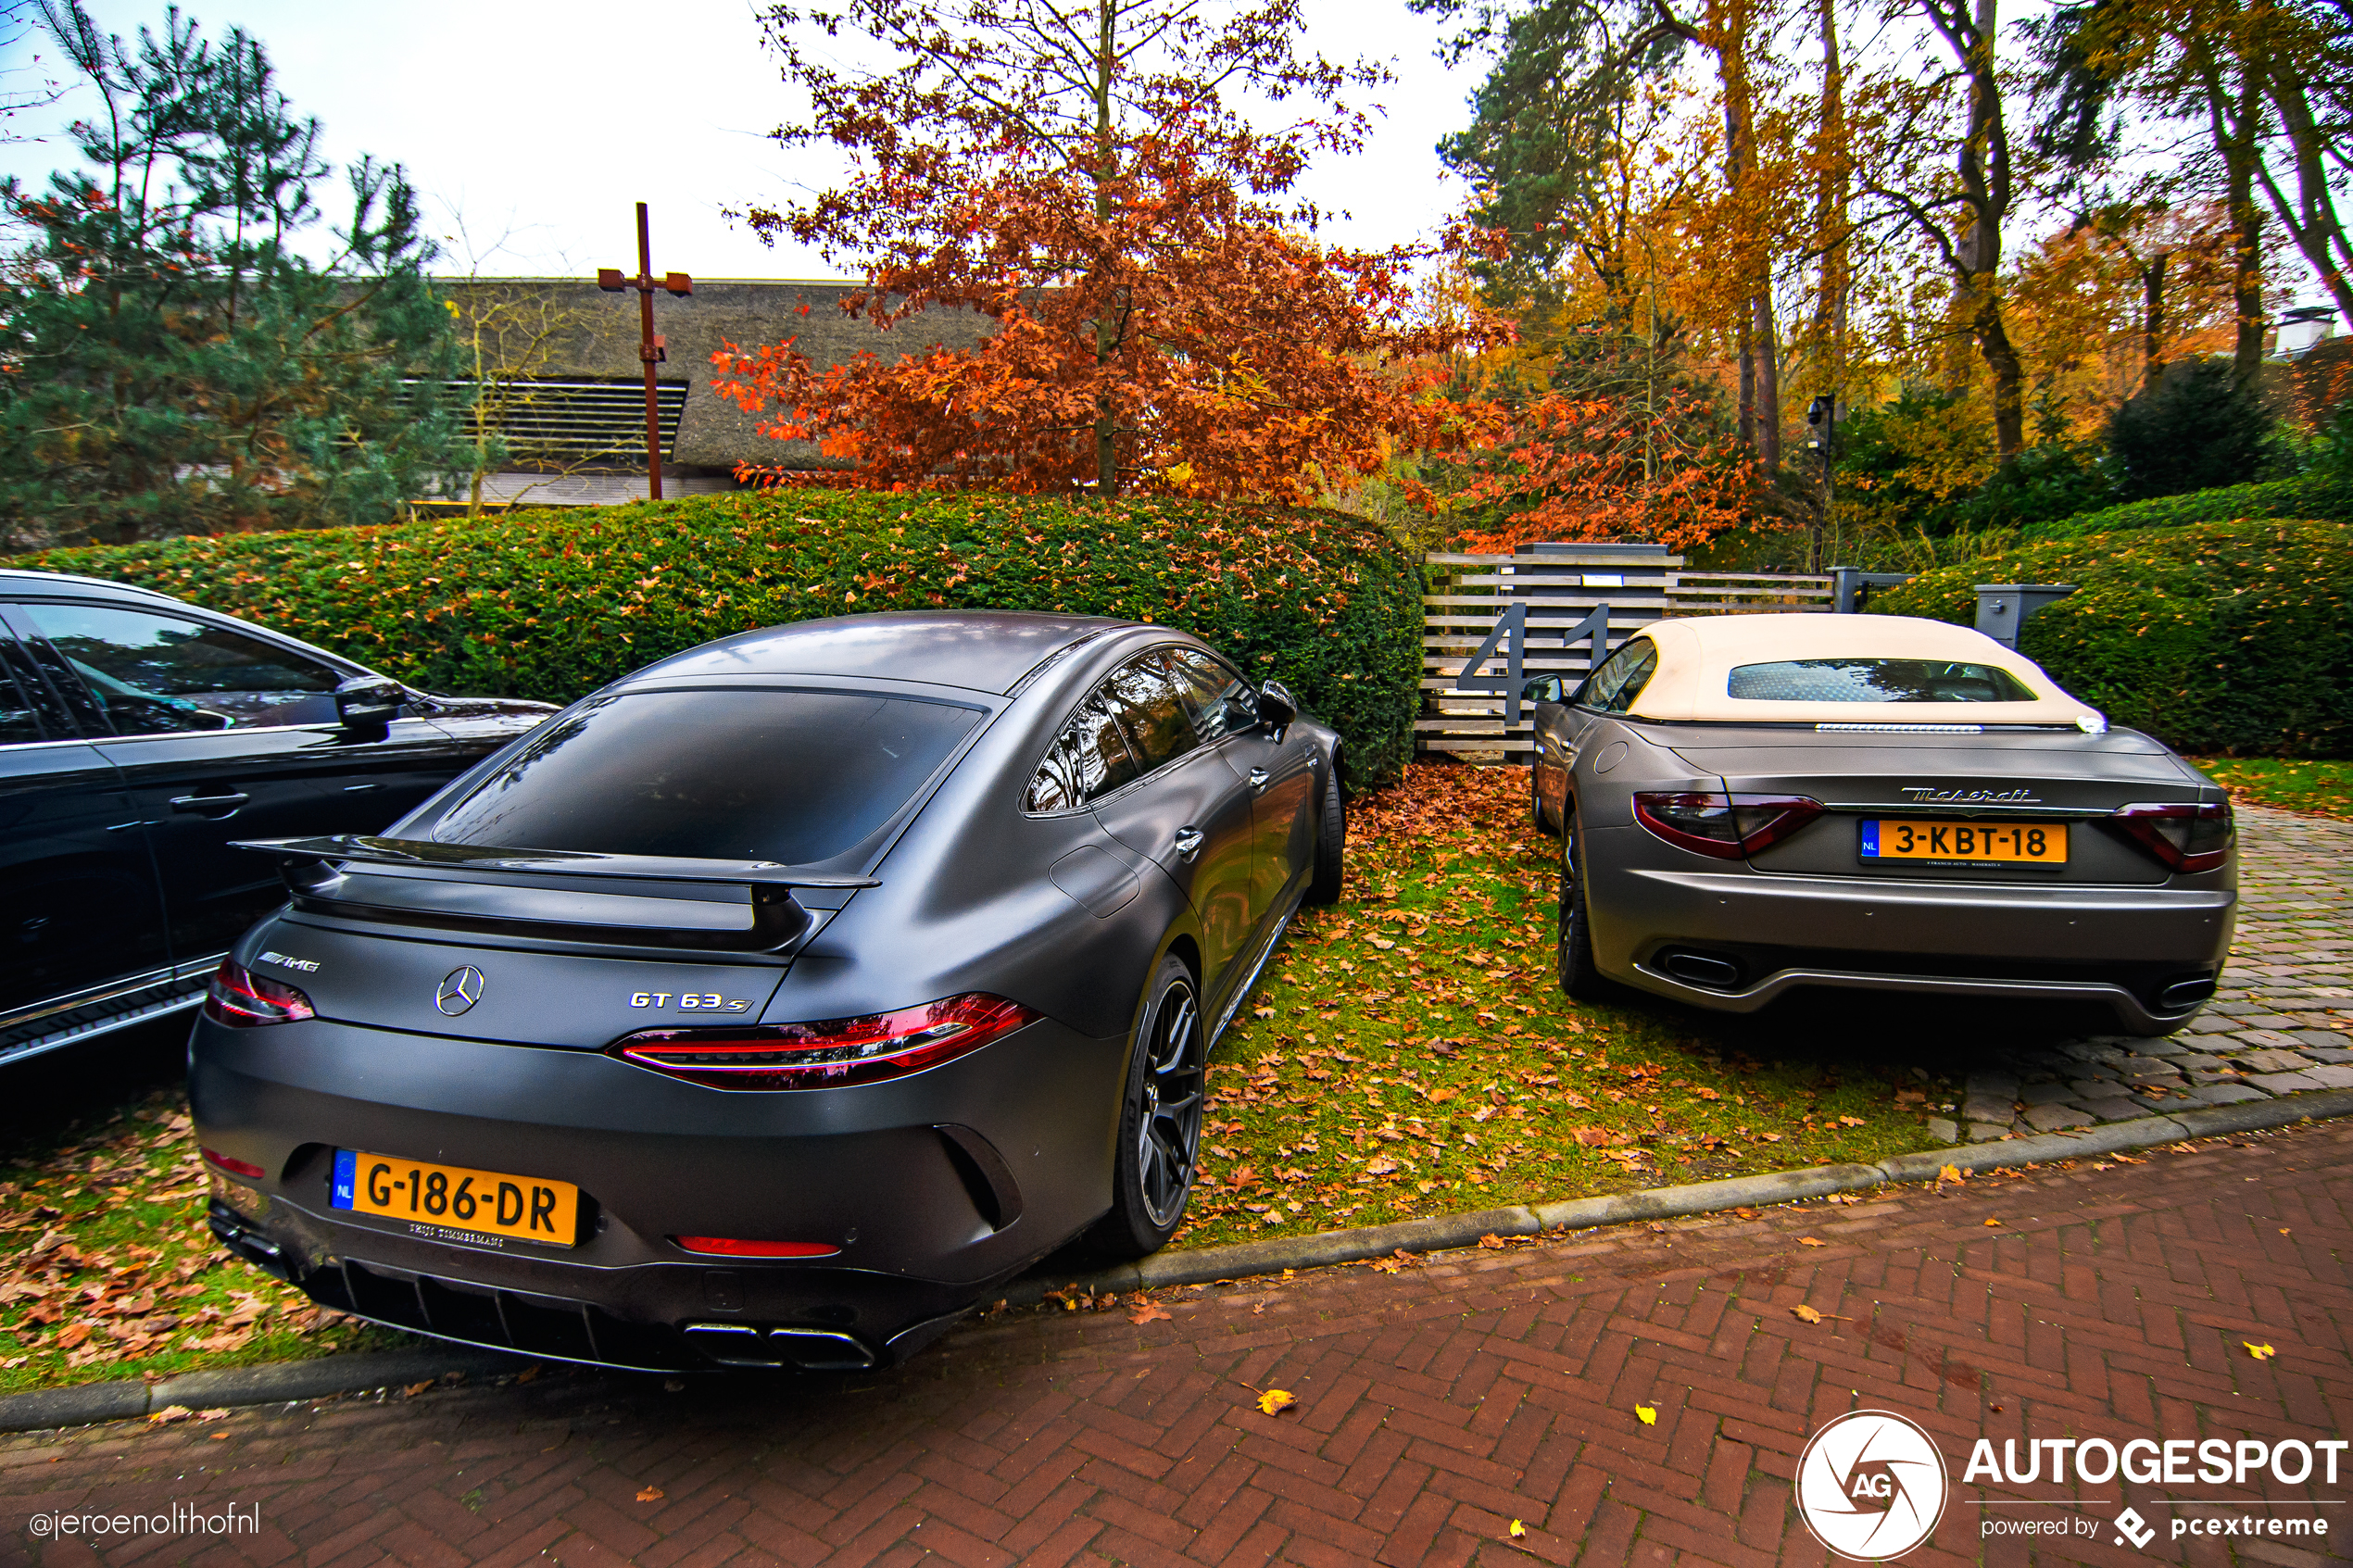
(651,351)
(646,353)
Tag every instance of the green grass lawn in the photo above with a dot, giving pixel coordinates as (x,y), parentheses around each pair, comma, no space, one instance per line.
(1407,1054)
(1410,1052)
(107,1269)
(2323,787)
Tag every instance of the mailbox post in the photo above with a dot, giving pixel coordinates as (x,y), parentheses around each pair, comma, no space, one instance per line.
(2002,609)
(1851,587)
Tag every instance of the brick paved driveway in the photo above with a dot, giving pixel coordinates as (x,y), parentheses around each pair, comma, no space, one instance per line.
(1437,1405)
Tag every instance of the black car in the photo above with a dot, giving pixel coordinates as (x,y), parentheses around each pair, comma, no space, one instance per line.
(771,1006)
(139,736)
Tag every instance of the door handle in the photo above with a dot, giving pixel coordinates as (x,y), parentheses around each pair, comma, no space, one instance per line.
(208,805)
(1188,843)
(1258,777)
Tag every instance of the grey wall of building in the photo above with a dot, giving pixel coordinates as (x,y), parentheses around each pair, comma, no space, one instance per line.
(596,337)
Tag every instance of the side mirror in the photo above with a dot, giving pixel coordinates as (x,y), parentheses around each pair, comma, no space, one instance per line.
(1544,688)
(1277,707)
(366,705)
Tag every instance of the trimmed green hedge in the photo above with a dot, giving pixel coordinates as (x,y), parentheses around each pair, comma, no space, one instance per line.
(2311,497)
(552,603)
(2216,637)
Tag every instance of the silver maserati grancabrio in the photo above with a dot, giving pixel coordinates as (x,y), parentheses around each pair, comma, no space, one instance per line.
(1755,804)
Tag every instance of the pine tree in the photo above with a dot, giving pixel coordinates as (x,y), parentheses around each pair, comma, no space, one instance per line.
(171,362)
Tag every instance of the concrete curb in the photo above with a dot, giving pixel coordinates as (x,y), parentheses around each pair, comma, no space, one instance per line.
(266,1384)
(1208,1264)
(47,1408)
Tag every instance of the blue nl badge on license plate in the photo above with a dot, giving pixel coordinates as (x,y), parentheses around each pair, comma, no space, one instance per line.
(1871,843)
(347,1173)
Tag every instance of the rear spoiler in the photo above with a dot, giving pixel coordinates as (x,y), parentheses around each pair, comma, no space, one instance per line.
(643,900)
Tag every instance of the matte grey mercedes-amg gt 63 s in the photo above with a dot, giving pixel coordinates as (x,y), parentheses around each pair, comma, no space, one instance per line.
(770,1006)
(1759,803)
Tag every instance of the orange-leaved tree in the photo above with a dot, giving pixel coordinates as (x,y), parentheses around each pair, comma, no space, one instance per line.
(1164,316)
(1599,466)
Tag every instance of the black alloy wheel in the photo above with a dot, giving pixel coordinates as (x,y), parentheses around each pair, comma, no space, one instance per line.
(1578,975)
(1160,1120)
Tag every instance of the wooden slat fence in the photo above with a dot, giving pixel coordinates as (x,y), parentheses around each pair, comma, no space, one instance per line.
(1561,589)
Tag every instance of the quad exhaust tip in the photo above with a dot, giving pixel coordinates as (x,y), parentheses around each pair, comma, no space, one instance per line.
(808,1350)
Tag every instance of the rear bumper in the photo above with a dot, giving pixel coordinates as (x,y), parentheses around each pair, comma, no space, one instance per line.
(934,1188)
(2121,947)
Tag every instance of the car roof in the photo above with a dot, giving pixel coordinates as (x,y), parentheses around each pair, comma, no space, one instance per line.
(17,580)
(1697,655)
(979,650)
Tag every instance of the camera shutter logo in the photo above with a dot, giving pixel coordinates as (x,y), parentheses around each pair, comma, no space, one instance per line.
(1871,1486)
(460,989)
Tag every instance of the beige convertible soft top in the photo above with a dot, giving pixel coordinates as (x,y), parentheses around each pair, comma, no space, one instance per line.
(1697,655)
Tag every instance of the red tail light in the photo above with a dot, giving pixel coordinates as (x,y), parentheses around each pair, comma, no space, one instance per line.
(727,1247)
(825,1056)
(2185,837)
(1726,826)
(242,999)
(244,1168)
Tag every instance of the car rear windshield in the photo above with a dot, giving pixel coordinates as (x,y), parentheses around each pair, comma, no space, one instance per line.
(791,776)
(1874,680)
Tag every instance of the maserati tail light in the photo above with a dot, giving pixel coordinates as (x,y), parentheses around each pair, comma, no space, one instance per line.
(829,1055)
(242,999)
(1726,826)
(2182,837)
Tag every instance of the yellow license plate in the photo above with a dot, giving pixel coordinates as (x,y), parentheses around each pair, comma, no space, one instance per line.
(1976,844)
(436,1199)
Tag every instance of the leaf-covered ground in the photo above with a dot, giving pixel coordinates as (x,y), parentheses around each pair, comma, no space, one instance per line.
(1410,1052)
(107,1269)
(2321,787)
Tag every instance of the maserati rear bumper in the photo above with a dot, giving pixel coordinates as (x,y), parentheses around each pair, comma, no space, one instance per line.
(1735,939)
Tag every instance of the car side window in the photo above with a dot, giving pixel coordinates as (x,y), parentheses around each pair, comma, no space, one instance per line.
(1621,677)
(1221,702)
(1160,729)
(1089,757)
(158,675)
(20,726)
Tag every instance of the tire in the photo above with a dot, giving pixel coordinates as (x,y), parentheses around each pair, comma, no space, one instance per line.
(1536,812)
(1160,1115)
(1331,841)
(1578,975)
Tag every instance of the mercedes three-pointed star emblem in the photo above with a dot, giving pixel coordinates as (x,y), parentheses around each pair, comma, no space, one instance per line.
(460,989)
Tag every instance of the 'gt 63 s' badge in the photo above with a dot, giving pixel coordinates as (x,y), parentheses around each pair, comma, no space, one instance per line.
(1871,1486)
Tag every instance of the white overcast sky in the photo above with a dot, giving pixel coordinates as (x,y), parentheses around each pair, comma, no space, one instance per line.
(541,124)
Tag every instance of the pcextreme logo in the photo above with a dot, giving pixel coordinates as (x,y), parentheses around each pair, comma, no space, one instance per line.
(1871,1486)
